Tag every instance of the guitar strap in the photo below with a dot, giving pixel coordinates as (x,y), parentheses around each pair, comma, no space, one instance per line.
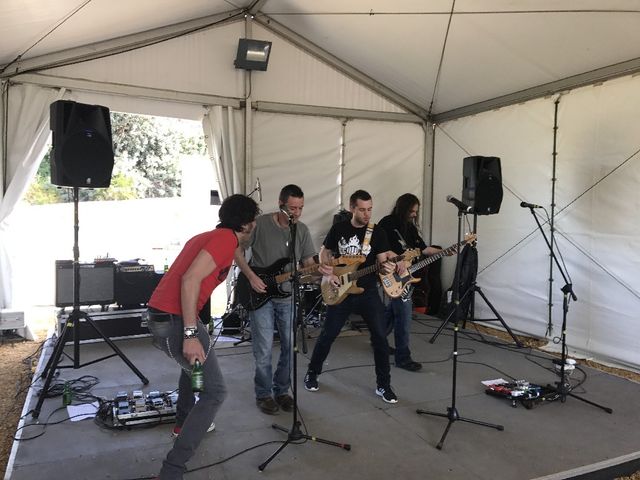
(367,239)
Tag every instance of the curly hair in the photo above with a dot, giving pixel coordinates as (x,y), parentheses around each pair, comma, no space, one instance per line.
(237,211)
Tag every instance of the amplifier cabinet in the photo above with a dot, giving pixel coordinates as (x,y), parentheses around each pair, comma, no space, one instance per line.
(134,285)
(114,324)
(96,283)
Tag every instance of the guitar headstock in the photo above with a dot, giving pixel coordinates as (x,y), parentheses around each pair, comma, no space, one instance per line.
(470,238)
(411,253)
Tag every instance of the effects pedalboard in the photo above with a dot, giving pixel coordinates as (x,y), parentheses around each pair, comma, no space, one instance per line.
(522,391)
(138,408)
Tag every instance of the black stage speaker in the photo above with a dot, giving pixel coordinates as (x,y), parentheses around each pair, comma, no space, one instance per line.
(482,184)
(82,154)
(96,283)
(135,284)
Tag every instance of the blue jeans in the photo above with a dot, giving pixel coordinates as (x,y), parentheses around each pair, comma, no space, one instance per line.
(398,314)
(262,322)
(194,417)
(369,306)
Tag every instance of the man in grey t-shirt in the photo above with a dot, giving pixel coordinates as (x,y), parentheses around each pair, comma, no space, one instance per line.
(270,242)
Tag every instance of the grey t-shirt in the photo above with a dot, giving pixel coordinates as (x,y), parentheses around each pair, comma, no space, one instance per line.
(270,241)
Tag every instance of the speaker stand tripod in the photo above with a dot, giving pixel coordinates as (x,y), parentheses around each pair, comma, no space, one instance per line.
(471,291)
(452,412)
(294,434)
(73,321)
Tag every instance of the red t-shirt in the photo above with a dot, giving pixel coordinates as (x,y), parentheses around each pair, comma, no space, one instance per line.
(221,244)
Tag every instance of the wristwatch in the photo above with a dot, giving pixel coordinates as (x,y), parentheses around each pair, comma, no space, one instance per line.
(190,332)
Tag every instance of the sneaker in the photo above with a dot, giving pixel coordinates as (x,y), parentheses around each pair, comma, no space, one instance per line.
(285,401)
(267,405)
(311,382)
(387,394)
(176,430)
(411,366)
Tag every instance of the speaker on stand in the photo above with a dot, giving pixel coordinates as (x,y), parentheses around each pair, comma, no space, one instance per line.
(82,156)
(482,184)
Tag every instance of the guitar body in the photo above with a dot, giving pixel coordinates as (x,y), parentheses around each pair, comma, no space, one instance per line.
(275,275)
(252,300)
(394,284)
(333,295)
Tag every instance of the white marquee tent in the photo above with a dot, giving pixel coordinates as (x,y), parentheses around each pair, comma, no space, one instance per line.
(385,96)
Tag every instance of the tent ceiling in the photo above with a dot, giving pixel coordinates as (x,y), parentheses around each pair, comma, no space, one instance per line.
(493,48)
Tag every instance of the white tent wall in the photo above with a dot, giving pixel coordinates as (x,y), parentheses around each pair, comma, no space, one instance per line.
(596,220)
(386,159)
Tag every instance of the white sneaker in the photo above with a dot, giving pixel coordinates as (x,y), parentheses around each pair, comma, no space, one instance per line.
(176,430)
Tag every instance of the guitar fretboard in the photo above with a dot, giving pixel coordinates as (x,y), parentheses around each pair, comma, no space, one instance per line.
(447,251)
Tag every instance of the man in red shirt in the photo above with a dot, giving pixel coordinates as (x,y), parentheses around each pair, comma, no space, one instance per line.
(200,267)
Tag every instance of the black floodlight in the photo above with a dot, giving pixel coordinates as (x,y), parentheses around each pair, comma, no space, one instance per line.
(252,54)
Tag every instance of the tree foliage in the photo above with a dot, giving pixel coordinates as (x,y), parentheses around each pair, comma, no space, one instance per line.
(147,154)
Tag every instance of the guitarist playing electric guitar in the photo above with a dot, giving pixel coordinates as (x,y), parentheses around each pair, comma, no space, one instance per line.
(352,237)
(403,234)
(271,241)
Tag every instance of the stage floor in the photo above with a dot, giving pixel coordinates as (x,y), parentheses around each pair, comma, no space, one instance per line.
(552,440)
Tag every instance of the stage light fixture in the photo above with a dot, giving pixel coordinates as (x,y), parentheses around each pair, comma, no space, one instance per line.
(252,54)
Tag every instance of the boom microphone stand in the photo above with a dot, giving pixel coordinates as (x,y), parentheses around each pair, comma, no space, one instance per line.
(563,387)
(73,321)
(295,434)
(452,413)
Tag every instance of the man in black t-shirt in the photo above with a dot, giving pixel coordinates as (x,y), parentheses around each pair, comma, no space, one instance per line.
(348,238)
(403,234)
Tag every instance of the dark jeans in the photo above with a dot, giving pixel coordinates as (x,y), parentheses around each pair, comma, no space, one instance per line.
(398,315)
(194,417)
(369,306)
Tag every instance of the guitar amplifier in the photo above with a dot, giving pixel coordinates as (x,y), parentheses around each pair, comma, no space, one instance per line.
(96,283)
(134,285)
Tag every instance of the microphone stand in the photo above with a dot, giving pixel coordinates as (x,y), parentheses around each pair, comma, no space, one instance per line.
(563,387)
(294,434)
(452,413)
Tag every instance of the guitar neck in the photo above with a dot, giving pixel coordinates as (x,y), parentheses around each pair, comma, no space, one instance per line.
(286,276)
(371,269)
(423,263)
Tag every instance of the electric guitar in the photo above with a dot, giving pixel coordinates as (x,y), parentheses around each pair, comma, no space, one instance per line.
(396,285)
(348,276)
(274,276)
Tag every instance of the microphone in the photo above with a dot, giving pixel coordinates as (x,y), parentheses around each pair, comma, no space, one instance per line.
(284,210)
(258,189)
(461,206)
(530,205)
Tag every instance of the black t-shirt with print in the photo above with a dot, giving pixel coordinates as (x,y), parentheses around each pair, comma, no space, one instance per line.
(345,239)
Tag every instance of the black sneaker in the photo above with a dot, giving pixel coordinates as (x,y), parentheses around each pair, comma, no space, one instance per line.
(311,382)
(410,366)
(387,394)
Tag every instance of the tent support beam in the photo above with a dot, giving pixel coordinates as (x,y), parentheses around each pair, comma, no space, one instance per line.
(336,112)
(581,80)
(125,90)
(340,65)
(119,45)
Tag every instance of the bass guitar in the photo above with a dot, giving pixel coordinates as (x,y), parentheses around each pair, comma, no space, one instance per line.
(274,276)
(348,276)
(396,285)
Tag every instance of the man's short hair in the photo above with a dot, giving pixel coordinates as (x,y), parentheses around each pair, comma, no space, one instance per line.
(359,195)
(237,211)
(290,190)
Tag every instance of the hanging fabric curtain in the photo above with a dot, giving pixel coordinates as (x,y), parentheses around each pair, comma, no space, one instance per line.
(219,132)
(27,134)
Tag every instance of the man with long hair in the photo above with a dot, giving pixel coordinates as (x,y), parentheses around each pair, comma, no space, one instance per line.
(402,232)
